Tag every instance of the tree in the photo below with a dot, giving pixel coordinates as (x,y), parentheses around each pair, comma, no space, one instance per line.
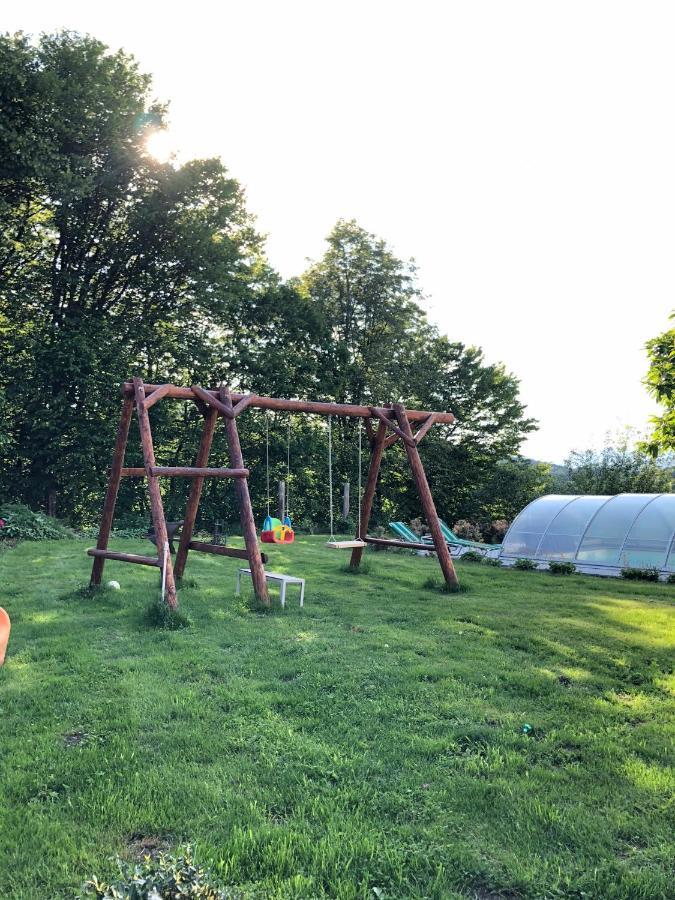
(619,468)
(111,262)
(378,345)
(661,383)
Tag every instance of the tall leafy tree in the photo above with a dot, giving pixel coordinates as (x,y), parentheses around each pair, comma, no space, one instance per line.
(661,383)
(112,263)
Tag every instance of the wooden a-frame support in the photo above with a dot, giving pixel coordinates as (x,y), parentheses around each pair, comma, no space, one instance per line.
(379,442)
(223,403)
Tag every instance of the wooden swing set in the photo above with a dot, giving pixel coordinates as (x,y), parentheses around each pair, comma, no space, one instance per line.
(225,404)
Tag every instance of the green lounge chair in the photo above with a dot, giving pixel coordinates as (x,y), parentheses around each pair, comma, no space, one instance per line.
(401,530)
(452,538)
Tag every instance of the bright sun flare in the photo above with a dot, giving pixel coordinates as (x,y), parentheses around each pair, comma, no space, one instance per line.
(160,145)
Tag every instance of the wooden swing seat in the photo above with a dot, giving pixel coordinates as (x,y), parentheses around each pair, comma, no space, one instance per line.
(344,545)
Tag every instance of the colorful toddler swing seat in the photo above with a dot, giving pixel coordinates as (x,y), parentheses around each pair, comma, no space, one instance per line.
(274,531)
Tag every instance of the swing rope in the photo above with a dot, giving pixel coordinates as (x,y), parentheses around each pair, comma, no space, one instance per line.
(330,473)
(267,459)
(288,470)
(358,499)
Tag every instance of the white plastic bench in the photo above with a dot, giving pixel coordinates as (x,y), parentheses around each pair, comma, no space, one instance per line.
(281,579)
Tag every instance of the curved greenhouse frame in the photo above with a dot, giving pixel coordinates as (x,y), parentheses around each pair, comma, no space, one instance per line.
(598,534)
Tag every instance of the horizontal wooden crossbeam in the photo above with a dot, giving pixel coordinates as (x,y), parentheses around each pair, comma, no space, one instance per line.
(126,557)
(183,472)
(320,408)
(219,550)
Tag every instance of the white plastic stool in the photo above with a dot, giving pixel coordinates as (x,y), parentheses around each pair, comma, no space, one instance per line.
(282,580)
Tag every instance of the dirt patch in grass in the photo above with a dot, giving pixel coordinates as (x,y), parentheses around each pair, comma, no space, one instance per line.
(140,845)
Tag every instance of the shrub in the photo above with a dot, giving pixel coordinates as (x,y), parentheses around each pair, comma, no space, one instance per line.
(467,530)
(634,574)
(524,564)
(418,526)
(21,523)
(163,878)
(671,579)
(492,561)
(160,615)
(379,532)
(562,568)
(494,532)
(472,556)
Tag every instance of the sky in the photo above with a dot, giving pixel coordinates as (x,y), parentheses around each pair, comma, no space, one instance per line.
(522,153)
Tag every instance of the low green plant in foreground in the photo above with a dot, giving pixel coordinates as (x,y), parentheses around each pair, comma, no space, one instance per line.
(156,878)
(563,567)
(524,564)
(387,740)
(636,574)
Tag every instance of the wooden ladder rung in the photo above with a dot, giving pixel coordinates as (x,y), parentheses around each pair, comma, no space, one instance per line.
(125,557)
(219,550)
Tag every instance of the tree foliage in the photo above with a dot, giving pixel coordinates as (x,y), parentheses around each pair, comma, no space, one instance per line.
(114,264)
(619,468)
(661,383)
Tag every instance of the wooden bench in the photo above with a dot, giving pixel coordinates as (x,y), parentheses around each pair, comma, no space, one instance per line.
(282,581)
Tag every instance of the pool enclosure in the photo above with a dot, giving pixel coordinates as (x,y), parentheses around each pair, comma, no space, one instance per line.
(601,535)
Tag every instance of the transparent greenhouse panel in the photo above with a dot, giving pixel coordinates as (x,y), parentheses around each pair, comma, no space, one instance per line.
(522,539)
(561,540)
(605,537)
(650,537)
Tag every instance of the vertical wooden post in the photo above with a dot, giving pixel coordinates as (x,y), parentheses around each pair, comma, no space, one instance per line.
(426,499)
(244,502)
(202,458)
(369,492)
(113,487)
(156,504)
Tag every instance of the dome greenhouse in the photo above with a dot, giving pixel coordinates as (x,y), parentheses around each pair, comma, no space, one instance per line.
(600,535)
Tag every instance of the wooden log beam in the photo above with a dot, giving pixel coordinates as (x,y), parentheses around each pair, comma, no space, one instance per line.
(210,421)
(369,492)
(156,395)
(196,472)
(382,415)
(156,505)
(410,545)
(244,503)
(244,403)
(426,426)
(427,501)
(113,488)
(320,408)
(208,398)
(219,550)
(125,557)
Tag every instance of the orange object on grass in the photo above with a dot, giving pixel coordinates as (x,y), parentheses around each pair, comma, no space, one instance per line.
(5,627)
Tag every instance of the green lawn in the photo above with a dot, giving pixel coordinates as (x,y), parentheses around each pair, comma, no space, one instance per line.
(367,746)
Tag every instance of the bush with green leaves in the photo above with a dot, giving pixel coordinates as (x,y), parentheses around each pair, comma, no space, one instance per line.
(21,523)
(671,579)
(469,531)
(524,564)
(163,878)
(472,556)
(636,574)
(492,561)
(562,568)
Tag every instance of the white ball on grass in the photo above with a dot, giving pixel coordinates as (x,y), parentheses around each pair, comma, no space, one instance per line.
(113,585)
